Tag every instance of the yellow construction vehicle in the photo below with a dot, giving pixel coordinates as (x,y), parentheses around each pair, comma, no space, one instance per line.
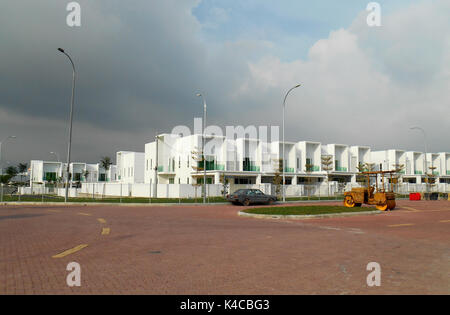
(372,195)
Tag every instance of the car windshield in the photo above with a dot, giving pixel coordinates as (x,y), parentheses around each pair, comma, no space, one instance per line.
(239,191)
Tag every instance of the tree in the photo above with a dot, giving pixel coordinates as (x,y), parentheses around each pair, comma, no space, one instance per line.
(198,157)
(11,171)
(278,179)
(105,163)
(86,175)
(22,168)
(4,179)
(224,181)
(308,168)
(327,165)
(398,172)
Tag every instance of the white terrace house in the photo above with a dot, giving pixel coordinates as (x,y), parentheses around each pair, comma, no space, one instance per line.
(48,171)
(130,167)
(434,164)
(242,161)
(444,167)
(359,157)
(414,167)
(389,160)
(341,162)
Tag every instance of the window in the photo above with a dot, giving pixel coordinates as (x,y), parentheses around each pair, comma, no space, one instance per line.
(187,162)
(146,165)
(151,163)
(188,180)
(171,180)
(179,180)
(298,163)
(179,162)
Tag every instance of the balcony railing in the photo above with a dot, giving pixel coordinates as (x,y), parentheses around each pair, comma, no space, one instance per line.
(448,172)
(341,169)
(289,170)
(211,166)
(313,168)
(418,172)
(251,168)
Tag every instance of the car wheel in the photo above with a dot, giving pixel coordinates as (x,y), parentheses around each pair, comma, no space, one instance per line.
(246,202)
(270,202)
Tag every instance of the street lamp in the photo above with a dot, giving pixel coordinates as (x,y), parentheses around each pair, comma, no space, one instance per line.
(203,145)
(4,140)
(70,124)
(284,107)
(426,151)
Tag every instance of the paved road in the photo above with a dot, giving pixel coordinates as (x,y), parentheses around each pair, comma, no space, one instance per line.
(211,250)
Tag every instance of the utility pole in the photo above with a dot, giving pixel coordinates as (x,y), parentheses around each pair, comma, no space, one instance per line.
(155,190)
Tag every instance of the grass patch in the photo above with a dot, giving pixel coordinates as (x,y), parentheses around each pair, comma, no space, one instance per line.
(305,210)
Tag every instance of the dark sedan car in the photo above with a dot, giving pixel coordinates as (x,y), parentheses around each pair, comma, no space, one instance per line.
(249,196)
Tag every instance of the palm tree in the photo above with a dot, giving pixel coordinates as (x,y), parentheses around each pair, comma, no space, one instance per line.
(11,171)
(105,163)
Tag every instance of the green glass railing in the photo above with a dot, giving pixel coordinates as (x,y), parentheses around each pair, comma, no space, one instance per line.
(448,172)
(436,173)
(289,169)
(251,168)
(161,168)
(212,166)
(418,172)
(341,169)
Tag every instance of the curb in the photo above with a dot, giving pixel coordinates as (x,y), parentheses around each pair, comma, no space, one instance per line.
(307,216)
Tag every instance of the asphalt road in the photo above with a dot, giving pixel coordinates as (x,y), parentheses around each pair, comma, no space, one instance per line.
(211,250)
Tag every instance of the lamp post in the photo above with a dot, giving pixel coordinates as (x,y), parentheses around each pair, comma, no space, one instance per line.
(70,124)
(203,145)
(426,152)
(6,139)
(284,107)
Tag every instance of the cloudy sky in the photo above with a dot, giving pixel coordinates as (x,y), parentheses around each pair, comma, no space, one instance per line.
(140,63)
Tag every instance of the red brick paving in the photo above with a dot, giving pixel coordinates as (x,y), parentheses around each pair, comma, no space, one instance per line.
(211,250)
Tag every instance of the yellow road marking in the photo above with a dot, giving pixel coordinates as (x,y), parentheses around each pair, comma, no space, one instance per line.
(103,221)
(82,213)
(105,231)
(70,251)
(56,211)
(411,209)
(399,225)
(444,221)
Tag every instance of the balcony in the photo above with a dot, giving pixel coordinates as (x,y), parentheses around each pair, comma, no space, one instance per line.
(312,168)
(418,172)
(289,170)
(249,166)
(448,172)
(341,169)
(211,166)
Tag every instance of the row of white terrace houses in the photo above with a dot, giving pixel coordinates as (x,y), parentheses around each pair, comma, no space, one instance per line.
(250,161)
